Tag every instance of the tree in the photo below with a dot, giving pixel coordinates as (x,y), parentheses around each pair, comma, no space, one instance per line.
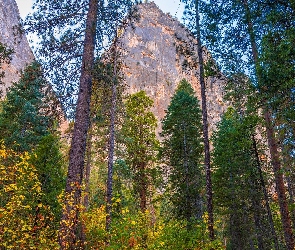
(183,153)
(141,143)
(23,119)
(49,163)
(239,188)
(236,29)
(68,236)
(68,45)
(194,14)
(27,125)
(25,221)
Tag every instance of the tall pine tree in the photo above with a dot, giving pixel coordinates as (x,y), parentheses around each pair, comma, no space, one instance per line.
(183,153)
(141,144)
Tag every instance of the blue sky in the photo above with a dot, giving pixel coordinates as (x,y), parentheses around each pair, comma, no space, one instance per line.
(172,6)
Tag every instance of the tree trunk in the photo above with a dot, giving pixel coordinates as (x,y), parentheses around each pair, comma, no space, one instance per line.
(70,226)
(205,128)
(269,214)
(111,142)
(280,186)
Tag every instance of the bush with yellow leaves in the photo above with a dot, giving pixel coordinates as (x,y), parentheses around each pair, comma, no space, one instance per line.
(25,223)
(133,229)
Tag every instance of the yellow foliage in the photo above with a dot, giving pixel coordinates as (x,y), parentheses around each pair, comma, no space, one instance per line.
(23,220)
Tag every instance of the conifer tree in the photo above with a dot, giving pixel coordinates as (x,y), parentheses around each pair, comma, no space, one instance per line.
(193,15)
(27,126)
(23,119)
(183,153)
(238,186)
(72,35)
(235,31)
(49,163)
(141,144)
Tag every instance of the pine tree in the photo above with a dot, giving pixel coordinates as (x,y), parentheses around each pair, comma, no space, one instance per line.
(23,119)
(141,143)
(238,187)
(49,163)
(235,30)
(26,126)
(192,17)
(183,153)
(72,35)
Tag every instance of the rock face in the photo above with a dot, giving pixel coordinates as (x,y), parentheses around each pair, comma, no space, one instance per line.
(12,36)
(158,53)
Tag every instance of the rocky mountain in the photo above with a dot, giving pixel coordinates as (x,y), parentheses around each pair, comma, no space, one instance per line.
(14,38)
(158,52)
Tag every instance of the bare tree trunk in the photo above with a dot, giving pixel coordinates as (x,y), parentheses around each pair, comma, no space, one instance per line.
(112,141)
(272,143)
(70,226)
(205,128)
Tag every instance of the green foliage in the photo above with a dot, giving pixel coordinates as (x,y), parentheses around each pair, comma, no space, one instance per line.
(23,121)
(137,230)
(237,184)
(138,129)
(138,132)
(183,152)
(60,51)
(49,163)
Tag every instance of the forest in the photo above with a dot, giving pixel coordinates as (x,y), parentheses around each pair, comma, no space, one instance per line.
(110,181)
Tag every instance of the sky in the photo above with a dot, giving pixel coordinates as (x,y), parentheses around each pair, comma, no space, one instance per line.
(172,6)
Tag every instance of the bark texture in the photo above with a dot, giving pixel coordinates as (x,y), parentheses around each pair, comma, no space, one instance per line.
(70,229)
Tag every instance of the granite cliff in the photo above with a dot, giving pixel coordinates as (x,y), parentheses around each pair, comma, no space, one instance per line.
(14,38)
(158,52)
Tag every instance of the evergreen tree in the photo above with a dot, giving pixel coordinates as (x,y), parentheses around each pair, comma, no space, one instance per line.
(26,127)
(238,187)
(236,30)
(141,144)
(193,7)
(72,35)
(183,152)
(23,119)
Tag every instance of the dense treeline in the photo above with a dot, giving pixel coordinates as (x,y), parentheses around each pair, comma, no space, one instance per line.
(119,185)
